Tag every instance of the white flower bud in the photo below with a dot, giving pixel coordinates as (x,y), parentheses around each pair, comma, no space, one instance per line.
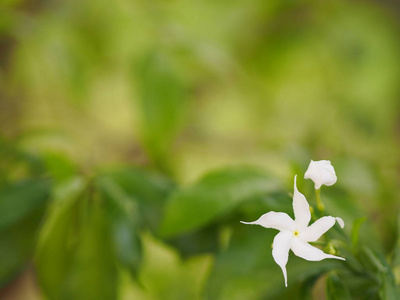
(321,172)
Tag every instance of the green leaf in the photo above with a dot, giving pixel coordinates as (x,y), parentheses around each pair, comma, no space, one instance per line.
(146,190)
(355,232)
(335,289)
(54,253)
(377,263)
(123,218)
(396,250)
(162,102)
(164,275)
(22,208)
(215,194)
(93,273)
(388,290)
(20,199)
(59,166)
(75,259)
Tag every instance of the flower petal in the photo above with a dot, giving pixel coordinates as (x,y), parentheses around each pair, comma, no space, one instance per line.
(340,221)
(321,172)
(318,228)
(275,220)
(308,252)
(301,209)
(280,250)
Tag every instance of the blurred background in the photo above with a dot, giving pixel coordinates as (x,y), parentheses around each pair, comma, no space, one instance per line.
(145,98)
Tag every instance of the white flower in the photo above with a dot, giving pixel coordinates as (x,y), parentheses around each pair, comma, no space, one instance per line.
(321,172)
(296,234)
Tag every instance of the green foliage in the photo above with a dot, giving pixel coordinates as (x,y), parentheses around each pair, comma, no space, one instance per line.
(113,113)
(143,191)
(75,255)
(123,223)
(355,231)
(335,289)
(213,195)
(163,103)
(25,202)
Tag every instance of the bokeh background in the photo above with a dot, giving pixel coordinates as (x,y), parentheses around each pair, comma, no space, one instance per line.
(156,95)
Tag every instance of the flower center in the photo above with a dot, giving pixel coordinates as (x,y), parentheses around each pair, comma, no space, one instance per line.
(296,233)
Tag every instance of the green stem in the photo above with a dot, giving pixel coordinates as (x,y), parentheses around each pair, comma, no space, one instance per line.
(320,205)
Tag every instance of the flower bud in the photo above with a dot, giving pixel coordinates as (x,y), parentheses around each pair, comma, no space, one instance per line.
(321,172)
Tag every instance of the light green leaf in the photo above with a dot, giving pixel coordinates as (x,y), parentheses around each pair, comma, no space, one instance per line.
(213,195)
(164,275)
(93,274)
(54,253)
(75,259)
(163,103)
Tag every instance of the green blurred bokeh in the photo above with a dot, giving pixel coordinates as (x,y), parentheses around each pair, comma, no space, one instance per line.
(180,88)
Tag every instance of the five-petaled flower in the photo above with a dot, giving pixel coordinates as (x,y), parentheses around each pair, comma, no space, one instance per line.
(296,234)
(321,172)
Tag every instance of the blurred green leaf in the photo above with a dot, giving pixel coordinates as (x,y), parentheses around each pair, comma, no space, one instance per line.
(372,260)
(59,166)
(93,273)
(163,103)
(377,263)
(22,207)
(75,256)
(204,240)
(146,190)
(355,231)
(213,195)
(165,276)
(123,218)
(396,250)
(54,254)
(335,289)
(20,199)
(389,290)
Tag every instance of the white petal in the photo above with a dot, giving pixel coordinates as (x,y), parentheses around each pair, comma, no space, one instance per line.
(340,221)
(318,228)
(308,252)
(321,172)
(275,220)
(301,209)
(280,250)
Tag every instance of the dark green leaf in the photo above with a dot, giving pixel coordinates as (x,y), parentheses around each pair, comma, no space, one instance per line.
(123,218)
(20,199)
(214,194)
(396,250)
(335,289)
(20,221)
(147,191)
